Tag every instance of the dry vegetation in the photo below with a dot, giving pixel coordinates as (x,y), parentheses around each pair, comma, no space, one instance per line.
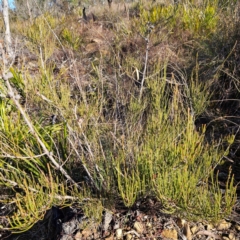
(143,102)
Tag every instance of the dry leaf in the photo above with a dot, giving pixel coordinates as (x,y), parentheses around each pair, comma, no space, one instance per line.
(170,233)
(187,231)
(129,236)
(138,227)
(223,225)
(231,236)
(111,237)
(208,233)
(209,226)
(180,222)
(78,236)
(194,229)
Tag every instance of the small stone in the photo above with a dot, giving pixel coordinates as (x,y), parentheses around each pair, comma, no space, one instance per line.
(138,227)
(119,234)
(107,219)
(69,227)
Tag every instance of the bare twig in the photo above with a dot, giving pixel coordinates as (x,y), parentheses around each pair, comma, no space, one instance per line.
(16,157)
(132,232)
(209,233)
(149,29)
(84,166)
(145,69)
(8,40)
(179,230)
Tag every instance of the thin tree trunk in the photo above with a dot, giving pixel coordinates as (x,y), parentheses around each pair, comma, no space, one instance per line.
(109,4)
(29,12)
(8,40)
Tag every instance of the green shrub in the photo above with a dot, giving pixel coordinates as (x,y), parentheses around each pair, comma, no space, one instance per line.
(198,19)
(114,143)
(172,160)
(70,38)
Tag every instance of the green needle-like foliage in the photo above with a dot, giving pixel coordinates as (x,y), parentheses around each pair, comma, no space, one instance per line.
(108,110)
(34,198)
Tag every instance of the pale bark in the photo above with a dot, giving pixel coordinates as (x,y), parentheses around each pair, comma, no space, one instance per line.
(8,40)
(29,12)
